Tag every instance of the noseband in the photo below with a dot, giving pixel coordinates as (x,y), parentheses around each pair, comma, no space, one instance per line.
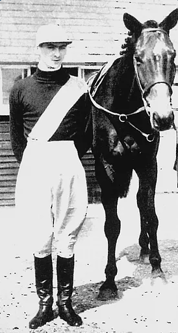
(145,90)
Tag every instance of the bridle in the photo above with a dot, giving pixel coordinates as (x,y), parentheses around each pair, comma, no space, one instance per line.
(146,89)
(123,118)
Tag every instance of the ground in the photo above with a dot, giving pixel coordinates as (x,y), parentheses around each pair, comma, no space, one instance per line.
(144,304)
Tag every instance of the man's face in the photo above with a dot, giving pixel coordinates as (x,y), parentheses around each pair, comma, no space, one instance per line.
(52,55)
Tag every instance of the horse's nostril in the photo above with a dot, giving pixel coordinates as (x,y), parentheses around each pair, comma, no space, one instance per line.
(156,119)
(155,116)
(162,123)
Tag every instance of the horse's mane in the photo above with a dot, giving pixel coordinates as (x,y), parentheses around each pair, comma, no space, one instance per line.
(150,24)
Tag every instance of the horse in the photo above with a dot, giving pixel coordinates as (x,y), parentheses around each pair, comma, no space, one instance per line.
(130,105)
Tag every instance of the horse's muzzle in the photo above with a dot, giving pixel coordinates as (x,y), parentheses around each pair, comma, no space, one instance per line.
(162,122)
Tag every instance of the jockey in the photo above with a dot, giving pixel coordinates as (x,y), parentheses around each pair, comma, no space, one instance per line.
(48,119)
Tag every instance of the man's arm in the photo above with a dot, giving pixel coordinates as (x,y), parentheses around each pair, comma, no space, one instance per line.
(18,140)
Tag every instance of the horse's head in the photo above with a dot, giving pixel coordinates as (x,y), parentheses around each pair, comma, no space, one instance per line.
(153,60)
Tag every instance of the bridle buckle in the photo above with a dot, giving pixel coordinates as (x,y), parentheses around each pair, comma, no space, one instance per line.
(123,118)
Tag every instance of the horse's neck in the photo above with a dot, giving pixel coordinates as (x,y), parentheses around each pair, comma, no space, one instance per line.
(117,90)
(127,96)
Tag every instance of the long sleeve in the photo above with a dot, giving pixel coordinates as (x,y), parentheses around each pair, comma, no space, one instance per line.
(18,140)
(83,139)
(28,100)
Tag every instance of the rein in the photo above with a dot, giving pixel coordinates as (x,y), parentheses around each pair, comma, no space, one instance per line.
(122,117)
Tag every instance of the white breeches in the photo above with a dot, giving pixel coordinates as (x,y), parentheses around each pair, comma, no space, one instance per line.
(51,196)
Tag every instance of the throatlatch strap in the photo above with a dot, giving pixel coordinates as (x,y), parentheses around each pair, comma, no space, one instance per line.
(55,112)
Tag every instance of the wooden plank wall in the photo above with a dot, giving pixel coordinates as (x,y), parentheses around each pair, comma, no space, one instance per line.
(9,169)
(96,26)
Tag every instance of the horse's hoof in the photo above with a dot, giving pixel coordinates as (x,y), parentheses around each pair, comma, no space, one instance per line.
(107,294)
(157,272)
(108,291)
(156,264)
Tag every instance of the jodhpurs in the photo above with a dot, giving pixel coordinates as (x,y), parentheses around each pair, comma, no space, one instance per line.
(51,196)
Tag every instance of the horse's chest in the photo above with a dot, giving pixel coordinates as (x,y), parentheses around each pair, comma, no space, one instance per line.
(123,146)
(131,145)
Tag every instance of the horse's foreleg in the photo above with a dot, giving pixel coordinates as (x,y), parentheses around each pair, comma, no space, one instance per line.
(149,220)
(108,289)
(144,238)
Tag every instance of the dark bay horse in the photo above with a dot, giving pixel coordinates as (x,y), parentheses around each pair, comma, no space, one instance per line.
(131,104)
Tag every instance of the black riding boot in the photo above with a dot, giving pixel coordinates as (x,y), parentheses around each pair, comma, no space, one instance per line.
(65,272)
(43,276)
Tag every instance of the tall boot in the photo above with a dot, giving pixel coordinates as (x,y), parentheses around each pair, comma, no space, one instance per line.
(44,287)
(65,272)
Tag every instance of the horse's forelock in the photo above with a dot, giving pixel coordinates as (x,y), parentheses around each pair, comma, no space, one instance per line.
(130,45)
(150,24)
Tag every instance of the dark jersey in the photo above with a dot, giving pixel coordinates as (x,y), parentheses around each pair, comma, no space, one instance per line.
(28,100)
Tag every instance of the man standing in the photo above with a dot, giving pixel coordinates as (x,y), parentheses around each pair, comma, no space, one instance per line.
(48,117)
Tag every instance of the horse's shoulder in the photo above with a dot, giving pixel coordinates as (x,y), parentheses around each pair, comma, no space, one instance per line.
(97,77)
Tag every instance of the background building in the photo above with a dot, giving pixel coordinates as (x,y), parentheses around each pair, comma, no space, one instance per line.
(97,30)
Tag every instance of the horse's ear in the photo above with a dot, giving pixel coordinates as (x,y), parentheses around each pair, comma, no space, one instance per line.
(132,24)
(170,21)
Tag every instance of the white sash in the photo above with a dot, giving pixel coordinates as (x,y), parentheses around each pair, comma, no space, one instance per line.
(55,112)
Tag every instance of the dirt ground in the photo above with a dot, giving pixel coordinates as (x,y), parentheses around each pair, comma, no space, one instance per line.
(144,304)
